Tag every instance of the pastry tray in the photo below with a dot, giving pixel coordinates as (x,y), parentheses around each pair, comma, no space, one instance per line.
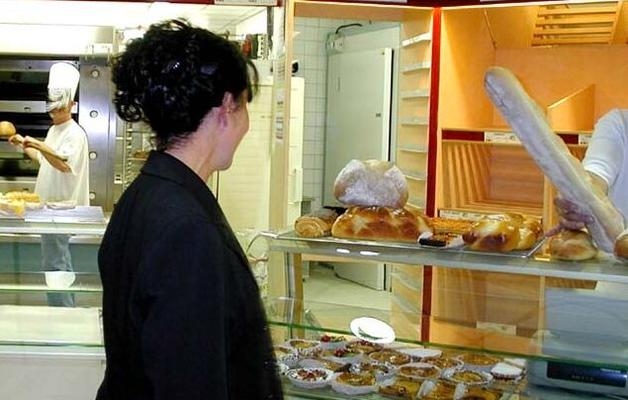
(330,240)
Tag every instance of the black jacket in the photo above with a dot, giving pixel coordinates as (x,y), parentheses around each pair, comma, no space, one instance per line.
(181,309)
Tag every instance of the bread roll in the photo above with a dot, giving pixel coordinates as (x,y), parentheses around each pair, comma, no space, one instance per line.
(552,155)
(492,234)
(530,231)
(316,224)
(7,129)
(621,245)
(380,223)
(572,246)
(371,183)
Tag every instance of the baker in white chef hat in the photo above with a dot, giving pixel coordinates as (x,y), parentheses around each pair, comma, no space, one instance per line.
(62,84)
(60,183)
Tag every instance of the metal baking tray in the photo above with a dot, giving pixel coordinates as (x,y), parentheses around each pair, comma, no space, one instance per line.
(330,240)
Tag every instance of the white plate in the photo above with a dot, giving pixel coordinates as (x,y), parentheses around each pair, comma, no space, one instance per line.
(372,330)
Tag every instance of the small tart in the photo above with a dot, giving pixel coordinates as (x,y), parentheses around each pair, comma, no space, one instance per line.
(468,376)
(419,371)
(479,359)
(445,362)
(390,356)
(380,370)
(363,346)
(404,388)
(353,379)
(354,384)
(477,393)
(318,362)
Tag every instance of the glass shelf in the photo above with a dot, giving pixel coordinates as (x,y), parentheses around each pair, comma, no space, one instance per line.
(23,282)
(605,268)
(313,319)
(310,320)
(15,226)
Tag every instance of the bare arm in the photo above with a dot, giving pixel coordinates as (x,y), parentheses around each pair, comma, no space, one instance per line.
(33,145)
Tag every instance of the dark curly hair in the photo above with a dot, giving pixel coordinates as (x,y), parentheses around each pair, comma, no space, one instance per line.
(173,75)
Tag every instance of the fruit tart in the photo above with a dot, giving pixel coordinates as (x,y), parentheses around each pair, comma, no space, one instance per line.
(352,384)
(419,371)
(390,356)
(342,355)
(364,346)
(310,378)
(333,341)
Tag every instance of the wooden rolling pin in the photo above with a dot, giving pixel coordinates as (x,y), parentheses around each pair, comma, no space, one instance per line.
(7,130)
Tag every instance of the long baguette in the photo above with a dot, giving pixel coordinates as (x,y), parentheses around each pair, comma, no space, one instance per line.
(552,155)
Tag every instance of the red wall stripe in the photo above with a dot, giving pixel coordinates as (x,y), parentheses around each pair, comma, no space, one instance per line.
(432,142)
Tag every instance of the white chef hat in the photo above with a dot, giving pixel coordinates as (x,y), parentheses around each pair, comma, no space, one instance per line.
(62,83)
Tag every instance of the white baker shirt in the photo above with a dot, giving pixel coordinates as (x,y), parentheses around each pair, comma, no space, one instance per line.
(607,156)
(70,140)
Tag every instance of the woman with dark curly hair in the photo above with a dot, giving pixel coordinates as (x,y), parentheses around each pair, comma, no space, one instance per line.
(181,309)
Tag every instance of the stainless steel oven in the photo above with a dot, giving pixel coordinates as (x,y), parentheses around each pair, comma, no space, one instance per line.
(23,92)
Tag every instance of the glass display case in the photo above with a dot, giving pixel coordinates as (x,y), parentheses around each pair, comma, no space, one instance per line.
(563,337)
(59,347)
(561,334)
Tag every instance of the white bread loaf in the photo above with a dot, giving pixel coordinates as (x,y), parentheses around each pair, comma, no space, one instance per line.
(371,183)
(552,155)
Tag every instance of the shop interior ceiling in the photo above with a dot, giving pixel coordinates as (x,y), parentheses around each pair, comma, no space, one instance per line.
(121,15)
(559,24)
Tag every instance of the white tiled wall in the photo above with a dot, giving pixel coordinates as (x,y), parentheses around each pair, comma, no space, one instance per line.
(309,50)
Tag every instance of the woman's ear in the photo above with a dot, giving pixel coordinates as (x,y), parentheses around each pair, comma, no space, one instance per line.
(229,103)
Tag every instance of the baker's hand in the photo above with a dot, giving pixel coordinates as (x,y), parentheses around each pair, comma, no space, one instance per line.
(31,142)
(572,217)
(16,139)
